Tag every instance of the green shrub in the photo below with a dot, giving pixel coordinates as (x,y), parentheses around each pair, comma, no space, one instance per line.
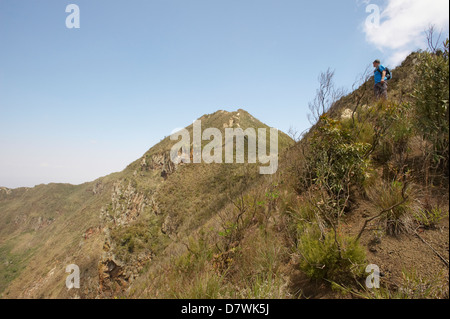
(431,101)
(412,286)
(392,130)
(197,255)
(429,218)
(321,258)
(203,285)
(403,201)
(135,238)
(264,287)
(364,132)
(307,212)
(335,158)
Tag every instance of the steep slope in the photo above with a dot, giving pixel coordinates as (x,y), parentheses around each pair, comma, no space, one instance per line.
(112,227)
(298,233)
(160,230)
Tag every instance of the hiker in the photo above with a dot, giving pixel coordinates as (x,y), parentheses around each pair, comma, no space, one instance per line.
(380,80)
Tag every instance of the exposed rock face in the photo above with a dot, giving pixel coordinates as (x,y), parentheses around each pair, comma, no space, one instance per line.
(233,122)
(90,232)
(98,188)
(154,206)
(111,277)
(346,114)
(126,205)
(161,162)
(5,190)
(115,275)
(20,219)
(40,222)
(169,226)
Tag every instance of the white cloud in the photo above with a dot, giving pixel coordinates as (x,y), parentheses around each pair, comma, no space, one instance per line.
(398,56)
(402,26)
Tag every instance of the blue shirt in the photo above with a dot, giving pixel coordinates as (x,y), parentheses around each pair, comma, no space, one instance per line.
(377,73)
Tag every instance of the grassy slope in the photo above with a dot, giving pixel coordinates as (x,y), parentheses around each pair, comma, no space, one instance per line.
(211,230)
(42,228)
(253,255)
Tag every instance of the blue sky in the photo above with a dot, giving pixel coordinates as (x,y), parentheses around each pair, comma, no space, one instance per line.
(77,104)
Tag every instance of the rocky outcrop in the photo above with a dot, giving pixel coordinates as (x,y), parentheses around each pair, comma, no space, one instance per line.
(154,206)
(4,190)
(346,114)
(169,226)
(91,231)
(20,219)
(126,205)
(233,121)
(115,275)
(41,222)
(160,162)
(98,188)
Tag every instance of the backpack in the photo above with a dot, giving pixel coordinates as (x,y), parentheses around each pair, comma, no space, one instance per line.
(388,73)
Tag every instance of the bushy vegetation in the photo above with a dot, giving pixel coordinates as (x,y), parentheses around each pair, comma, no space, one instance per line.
(335,159)
(372,155)
(12,264)
(431,102)
(237,234)
(398,204)
(429,218)
(324,257)
(412,286)
(136,238)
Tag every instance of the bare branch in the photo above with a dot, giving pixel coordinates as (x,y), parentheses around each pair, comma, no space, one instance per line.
(405,198)
(433,41)
(361,88)
(326,95)
(294,134)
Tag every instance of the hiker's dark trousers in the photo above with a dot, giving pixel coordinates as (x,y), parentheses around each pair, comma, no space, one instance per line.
(381,90)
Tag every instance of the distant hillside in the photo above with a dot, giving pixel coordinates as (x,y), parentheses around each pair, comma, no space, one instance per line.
(112,227)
